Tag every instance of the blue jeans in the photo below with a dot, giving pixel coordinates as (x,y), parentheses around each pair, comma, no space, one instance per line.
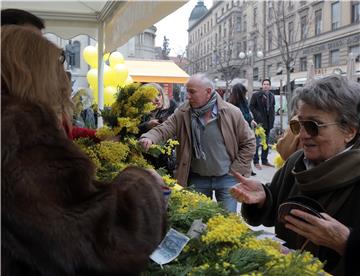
(264,153)
(220,184)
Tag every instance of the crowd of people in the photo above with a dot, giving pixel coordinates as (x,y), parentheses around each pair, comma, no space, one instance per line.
(57,219)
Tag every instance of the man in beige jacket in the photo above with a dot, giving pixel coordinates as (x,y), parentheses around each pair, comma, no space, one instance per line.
(214,140)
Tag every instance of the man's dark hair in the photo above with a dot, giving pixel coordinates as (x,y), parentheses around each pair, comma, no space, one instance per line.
(20,17)
(266,80)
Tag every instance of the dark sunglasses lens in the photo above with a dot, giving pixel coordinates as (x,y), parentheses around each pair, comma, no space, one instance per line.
(295,127)
(311,128)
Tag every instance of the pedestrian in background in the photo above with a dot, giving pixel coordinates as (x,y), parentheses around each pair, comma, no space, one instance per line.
(262,106)
(214,140)
(163,109)
(239,99)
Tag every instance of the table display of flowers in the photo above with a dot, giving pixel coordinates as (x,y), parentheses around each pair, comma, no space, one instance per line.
(226,245)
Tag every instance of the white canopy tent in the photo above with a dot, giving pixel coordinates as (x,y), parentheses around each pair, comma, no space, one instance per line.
(111,23)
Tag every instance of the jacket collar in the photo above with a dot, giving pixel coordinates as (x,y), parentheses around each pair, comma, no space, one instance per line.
(221,104)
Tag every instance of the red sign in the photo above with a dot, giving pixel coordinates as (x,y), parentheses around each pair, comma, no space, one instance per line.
(168,89)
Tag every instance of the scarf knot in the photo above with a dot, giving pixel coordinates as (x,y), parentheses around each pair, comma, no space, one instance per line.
(196,114)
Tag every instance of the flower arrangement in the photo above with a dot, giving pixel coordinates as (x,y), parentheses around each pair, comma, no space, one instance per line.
(227,246)
(260,132)
(133,101)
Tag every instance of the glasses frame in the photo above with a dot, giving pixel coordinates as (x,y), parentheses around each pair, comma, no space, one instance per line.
(311,127)
(62,57)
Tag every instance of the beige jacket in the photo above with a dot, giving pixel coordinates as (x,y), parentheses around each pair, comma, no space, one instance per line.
(238,137)
(288,143)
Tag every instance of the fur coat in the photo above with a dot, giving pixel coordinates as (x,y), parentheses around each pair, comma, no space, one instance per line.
(56,219)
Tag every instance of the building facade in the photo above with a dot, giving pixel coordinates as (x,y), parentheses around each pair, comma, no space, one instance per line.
(141,46)
(274,37)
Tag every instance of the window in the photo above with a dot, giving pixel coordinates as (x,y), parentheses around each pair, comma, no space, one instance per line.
(245,24)
(255,16)
(238,24)
(269,68)
(255,44)
(72,54)
(317,61)
(279,37)
(269,40)
(245,45)
(355,50)
(291,4)
(238,48)
(279,68)
(303,27)
(318,22)
(335,57)
(355,12)
(270,11)
(335,16)
(303,64)
(291,32)
(256,73)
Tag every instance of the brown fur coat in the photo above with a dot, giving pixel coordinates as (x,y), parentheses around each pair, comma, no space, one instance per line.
(56,219)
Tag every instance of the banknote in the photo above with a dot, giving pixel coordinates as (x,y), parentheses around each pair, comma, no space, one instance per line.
(196,229)
(170,247)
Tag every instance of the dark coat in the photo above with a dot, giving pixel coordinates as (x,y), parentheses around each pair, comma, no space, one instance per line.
(352,253)
(56,219)
(258,109)
(161,115)
(335,184)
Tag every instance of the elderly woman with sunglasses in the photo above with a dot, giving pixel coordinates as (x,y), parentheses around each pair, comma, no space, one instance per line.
(326,170)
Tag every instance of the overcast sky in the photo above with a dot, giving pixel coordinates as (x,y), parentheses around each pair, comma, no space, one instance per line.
(175,26)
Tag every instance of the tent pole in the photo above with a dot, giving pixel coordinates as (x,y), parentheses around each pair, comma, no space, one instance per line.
(100,72)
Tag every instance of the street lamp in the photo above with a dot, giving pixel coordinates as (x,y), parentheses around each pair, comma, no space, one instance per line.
(249,73)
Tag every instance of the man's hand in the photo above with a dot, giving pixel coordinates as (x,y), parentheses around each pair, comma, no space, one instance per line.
(325,231)
(248,191)
(145,143)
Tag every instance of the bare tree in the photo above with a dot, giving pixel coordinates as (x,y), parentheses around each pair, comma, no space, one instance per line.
(284,34)
(225,59)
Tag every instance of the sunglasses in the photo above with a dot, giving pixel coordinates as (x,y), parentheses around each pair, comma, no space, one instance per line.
(311,127)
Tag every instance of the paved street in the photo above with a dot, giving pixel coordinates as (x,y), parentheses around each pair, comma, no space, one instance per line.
(265,175)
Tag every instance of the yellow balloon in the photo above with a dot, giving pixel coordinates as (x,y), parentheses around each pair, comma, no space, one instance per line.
(115,59)
(129,80)
(109,76)
(109,95)
(121,74)
(91,56)
(92,78)
(106,57)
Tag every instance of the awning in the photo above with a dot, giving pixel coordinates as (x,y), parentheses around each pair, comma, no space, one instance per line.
(163,71)
(118,20)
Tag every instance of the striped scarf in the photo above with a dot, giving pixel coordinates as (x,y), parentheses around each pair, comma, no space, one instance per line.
(196,114)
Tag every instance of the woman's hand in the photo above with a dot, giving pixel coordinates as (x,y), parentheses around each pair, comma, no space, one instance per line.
(248,191)
(325,231)
(153,123)
(253,124)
